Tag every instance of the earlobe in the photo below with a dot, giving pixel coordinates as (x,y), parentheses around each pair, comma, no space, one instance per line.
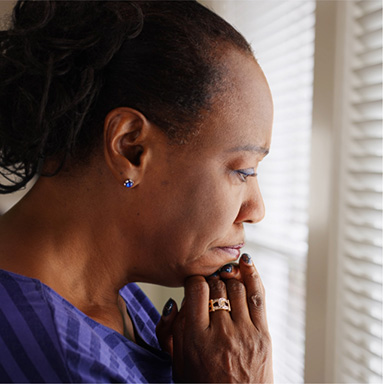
(128,183)
(125,131)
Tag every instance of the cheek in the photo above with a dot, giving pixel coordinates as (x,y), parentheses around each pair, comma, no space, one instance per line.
(188,218)
(212,213)
(192,223)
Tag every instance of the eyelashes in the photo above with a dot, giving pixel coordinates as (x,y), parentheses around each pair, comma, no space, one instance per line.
(243,174)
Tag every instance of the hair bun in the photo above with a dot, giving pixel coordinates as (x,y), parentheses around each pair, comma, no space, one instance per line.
(49,67)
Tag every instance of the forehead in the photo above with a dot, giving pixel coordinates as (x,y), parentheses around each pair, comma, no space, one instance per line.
(242,114)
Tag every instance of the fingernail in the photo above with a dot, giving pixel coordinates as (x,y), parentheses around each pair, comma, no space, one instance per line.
(246,258)
(227,268)
(168,308)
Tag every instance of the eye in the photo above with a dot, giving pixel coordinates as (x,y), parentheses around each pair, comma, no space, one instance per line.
(245,173)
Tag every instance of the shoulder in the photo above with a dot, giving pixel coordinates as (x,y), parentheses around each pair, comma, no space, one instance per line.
(30,348)
(44,338)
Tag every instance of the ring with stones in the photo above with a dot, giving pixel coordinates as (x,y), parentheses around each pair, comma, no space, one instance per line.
(220,304)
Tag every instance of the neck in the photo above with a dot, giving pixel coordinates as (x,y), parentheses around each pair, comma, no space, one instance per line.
(66,238)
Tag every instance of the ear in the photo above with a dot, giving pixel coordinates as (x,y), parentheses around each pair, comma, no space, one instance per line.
(125,144)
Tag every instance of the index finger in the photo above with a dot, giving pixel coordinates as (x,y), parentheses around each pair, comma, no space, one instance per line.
(255,292)
(197,302)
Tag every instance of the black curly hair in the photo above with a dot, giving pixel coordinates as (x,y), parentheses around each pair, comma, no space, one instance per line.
(65,64)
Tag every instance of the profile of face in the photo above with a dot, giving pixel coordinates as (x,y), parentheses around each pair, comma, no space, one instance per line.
(194,198)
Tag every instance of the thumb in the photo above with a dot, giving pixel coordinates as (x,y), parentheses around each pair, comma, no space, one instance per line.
(164,326)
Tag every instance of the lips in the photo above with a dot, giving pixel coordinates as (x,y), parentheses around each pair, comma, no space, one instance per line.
(232,250)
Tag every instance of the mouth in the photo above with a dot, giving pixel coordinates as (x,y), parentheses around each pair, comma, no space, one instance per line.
(233,250)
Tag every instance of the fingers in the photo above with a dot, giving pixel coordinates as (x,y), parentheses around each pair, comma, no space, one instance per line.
(222,346)
(254,291)
(178,344)
(236,292)
(218,290)
(230,271)
(197,302)
(241,284)
(165,325)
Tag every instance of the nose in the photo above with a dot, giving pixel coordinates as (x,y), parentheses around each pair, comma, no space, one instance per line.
(252,208)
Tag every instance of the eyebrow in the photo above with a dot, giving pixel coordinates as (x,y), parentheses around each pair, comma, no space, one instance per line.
(250,148)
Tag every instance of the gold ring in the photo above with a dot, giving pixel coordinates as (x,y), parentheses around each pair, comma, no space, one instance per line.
(220,304)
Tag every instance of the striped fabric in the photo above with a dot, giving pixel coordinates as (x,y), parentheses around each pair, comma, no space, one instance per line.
(43,338)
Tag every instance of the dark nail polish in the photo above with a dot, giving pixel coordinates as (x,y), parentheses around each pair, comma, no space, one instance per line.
(168,308)
(227,268)
(246,258)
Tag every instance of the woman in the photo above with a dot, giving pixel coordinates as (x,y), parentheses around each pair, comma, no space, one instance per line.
(150,119)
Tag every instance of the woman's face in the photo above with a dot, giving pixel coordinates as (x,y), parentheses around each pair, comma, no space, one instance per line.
(195,198)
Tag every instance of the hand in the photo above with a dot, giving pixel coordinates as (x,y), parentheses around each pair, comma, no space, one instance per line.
(220,346)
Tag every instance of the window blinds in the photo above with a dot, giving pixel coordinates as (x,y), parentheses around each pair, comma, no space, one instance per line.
(283,41)
(360,248)
(282,37)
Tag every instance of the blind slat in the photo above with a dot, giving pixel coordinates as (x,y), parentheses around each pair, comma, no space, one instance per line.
(365,165)
(364,305)
(365,199)
(366,182)
(370,363)
(363,349)
(366,289)
(371,20)
(363,270)
(368,252)
(365,323)
(369,75)
(369,41)
(369,57)
(366,7)
(363,235)
(369,128)
(369,218)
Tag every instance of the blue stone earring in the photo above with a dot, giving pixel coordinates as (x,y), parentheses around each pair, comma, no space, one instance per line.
(128,183)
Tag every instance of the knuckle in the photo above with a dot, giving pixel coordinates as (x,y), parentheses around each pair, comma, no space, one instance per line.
(224,329)
(198,287)
(236,287)
(256,301)
(265,344)
(216,285)
(254,275)
(262,343)
(267,339)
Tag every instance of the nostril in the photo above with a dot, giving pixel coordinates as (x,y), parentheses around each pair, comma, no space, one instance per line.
(252,211)
(258,210)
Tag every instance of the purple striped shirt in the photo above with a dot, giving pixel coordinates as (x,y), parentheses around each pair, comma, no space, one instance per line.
(44,338)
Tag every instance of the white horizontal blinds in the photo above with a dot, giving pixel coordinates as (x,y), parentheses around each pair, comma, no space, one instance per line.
(361,253)
(282,37)
(284,47)
(284,280)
